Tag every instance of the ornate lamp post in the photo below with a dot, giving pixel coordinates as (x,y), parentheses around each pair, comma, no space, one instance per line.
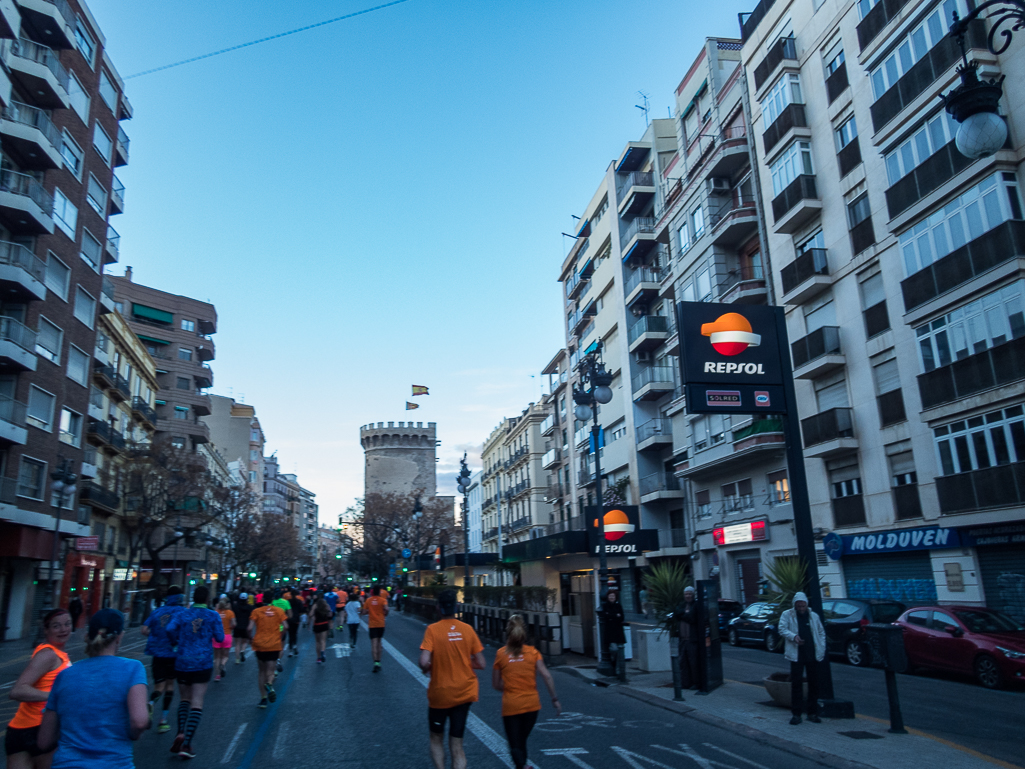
(63,487)
(592,390)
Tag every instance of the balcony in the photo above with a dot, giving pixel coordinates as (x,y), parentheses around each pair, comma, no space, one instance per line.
(660,485)
(97,496)
(877,18)
(837,82)
(642,285)
(89,467)
(938,168)
(729,155)
(551,457)
(17,345)
(100,432)
(1001,365)
(117,197)
(635,193)
(24,204)
(50,20)
(829,434)
(97,404)
(37,69)
(22,273)
(745,285)
(585,477)
(783,49)
(849,157)
(749,21)
(144,411)
(107,295)
(849,511)
(204,376)
(638,238)
(12,421)
(791,122)
(993,487)
(113,246)
(795,205)
(1002,244)
(121,148)
(805,277)
(891,408)
(195,429)
(548,425)
(648,332)
(734,221)
(575,285)
(581,436)
(574,523)
(653,382)
(30,135)
(919,79)
(554,492)
(759,433)
(818,353)
(654,434)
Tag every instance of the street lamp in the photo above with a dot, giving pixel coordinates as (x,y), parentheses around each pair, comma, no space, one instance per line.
(418,513)
(62,487)
(463,487)
(594,389)
(974,102)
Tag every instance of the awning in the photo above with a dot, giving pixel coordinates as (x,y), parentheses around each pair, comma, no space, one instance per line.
(152,313)
(585,229)
(151,339)
(591,347)
(694,102)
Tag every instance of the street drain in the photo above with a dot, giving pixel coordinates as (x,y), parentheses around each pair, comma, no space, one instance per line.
(862,735)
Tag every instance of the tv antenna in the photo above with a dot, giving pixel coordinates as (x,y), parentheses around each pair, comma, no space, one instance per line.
(645,107)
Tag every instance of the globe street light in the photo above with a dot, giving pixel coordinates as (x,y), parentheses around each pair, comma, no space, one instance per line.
(63,487)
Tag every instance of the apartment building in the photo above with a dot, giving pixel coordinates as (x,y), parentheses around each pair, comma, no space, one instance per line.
(330,555)
(476,500)
(235,431)
(176,331)
(899,262)
(309,512)
(283,496)
(60,140)
(556,430)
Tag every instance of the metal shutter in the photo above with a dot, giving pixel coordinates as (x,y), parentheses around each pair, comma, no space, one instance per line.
(1003,579)
(904,577)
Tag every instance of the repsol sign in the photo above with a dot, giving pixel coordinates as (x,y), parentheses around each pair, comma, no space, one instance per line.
(720,346)
(751,369)
(630,549)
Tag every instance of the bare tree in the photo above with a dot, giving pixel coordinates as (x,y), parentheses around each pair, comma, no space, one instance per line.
(265,542)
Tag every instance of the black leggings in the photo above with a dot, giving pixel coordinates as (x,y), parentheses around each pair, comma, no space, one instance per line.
(353,630)
(517,729)
(293,635)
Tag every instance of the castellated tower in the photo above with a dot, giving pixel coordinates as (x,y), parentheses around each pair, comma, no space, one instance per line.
(400,457)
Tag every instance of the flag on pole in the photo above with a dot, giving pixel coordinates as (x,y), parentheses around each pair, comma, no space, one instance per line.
(411,406)
(420,390)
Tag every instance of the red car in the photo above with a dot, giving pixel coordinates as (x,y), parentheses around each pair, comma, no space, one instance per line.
(965,639)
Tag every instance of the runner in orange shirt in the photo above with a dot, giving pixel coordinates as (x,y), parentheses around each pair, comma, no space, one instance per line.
(265,634)
(343,598)
(515,675)
(376,609)
(450,652)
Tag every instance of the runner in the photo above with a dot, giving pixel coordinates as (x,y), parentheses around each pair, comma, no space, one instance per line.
(376,608)
(320,618)
(515,675)
(331,596)
(265,636)
(241,635)
(32,690)
(223,648)
(97,706)
(193,630)
(161,648)
(298,611)
(286,607)
(352,610)
(343,598)
(451,651)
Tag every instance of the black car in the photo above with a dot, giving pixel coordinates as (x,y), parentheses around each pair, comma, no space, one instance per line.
(756,624)
(845,620)
(728,610)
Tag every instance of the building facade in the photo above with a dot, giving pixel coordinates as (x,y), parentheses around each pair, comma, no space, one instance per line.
(400,458)
(235,431)
(476,499)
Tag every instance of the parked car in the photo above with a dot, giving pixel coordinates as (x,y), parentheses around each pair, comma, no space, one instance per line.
(965,639)
(756,624)
(728,610)
(845,619)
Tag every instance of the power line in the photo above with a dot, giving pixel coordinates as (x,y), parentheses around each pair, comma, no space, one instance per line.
(265,39)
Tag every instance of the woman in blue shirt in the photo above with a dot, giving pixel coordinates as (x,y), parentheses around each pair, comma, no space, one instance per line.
(97,707)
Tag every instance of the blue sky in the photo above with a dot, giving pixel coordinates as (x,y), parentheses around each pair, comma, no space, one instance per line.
(378,202)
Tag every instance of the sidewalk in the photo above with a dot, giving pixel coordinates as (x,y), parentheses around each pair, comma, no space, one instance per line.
(747,709)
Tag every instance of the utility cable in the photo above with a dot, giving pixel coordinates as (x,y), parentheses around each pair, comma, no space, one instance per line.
(265,39)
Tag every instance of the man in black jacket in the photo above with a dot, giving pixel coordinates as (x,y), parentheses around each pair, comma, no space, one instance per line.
(686,614)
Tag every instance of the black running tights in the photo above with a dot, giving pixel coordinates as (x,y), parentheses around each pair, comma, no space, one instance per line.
(517,729)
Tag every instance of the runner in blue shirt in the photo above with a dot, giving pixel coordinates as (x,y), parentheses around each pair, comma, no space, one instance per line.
(332,601)
(194,630)
(161,648)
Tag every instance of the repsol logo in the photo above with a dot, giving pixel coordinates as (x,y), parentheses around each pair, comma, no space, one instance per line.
(609,549)
(734,368)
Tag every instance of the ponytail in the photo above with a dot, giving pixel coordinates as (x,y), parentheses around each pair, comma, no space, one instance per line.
(515,636)
(103,639)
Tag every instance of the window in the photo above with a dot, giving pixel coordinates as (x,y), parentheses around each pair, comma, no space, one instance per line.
(833,60)
(820,314)
(85,42)
(684,237)
(703,501)
(48,340)
(184,383)
(846,133)
(832,396)
(921,617)
(737,496)
(600,211)
(96,196)
(902,469)
(65,213)
(40,408)
(184,353)
(703,285)
(253,455)
(78,366)
(709,430)
(181,412)
(986,205)
(178,443)
(108,92)
(697,222)
(71,427)
(31,478)
(85,306)
(998,438)
(795,161)
(92,251)
(188,325)
(102,143)
(844,478)
(914,46)
(787,90)
(779,488)
(886,376)
(988,321)
(930,138)
(873,304)
(858,211)
(58,276)
(72,155)
(252,476)
(79,97)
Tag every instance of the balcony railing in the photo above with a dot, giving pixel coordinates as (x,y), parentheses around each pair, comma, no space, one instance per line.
(93,492)
(14,331)
(849,157)
(107,287)
(23,184)
(653,324)
(581,436)
(40,54)
(1000,365)
(749,21)
(849,511)
(113,240)
(784,48)
(660,481)
(1000,486)
(36,118)
(891,407)
(147,412)
(822,341)
(641,275)
(574,523)
(551,457)
(801,188)
(828,426)
(767,426)
(812,262)
(640,225)
(938,168)
(654,427)
(876,19)
(740,203)
(635,179)
(17,255)
(12,411)
(837,82)
(792,116)
(654,375)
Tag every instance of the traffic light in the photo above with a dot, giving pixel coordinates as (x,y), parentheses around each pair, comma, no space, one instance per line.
(463,479)
(405,569)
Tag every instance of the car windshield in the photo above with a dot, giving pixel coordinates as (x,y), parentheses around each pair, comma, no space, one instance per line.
(989,622)
(886,612)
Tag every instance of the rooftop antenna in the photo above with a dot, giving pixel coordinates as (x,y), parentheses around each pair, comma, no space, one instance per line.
(646,108)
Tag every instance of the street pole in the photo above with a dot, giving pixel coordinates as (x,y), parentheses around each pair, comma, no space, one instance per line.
(63,482)
(463,485)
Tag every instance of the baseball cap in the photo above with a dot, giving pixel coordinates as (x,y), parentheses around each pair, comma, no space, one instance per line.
(243,596)
(111,619)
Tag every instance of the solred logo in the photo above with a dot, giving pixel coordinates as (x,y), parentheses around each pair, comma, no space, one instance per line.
(617,524)
(730,334)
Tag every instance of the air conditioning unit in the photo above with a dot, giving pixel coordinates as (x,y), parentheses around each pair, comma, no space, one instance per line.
(718,184)
(644,356)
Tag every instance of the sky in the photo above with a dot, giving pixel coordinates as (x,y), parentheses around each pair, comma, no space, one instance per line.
(379,202)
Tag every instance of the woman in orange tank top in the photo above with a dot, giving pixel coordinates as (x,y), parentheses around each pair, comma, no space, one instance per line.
(32,690)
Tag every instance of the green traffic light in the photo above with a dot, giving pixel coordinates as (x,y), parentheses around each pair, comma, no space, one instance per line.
(252,574)
(373,579)
(338,556)
(404,569)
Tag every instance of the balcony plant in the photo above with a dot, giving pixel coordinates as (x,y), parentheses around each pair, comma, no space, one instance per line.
(666,582)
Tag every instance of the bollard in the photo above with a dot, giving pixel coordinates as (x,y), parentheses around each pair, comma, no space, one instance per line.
(896,718)
(674,660)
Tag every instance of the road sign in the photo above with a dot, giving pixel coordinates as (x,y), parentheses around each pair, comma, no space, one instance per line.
(406,552)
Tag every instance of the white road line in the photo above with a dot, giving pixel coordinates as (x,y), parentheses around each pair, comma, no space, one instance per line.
(735,756)
(571,754)
(633,758)
(704,763)
(233,744)
(279,742)
(8,685)
(491,739)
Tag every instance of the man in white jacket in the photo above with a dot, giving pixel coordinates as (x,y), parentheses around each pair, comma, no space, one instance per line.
(805,640)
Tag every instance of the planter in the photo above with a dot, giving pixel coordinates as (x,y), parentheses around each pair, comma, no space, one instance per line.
(651,650)
(778,687)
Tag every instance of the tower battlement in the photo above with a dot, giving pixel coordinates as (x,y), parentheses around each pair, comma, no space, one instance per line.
(399,457)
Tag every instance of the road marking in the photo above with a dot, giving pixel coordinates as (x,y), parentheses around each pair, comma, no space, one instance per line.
(734,755)
(342,650)
(647,724)
(629,757)
(570,753)
(7,685)
(492,741)
(279,742)
(233,744)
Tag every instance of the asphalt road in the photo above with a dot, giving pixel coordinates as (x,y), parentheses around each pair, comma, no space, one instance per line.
(946,706)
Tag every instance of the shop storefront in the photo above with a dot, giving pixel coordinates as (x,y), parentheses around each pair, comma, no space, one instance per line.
(84,578)
(1000,553)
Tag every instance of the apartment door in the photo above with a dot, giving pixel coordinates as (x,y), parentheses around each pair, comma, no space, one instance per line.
(749,576)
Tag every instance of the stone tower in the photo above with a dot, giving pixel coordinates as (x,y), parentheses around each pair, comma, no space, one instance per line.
(400,458)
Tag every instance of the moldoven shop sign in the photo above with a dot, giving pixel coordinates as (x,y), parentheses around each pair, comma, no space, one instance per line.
(924,538)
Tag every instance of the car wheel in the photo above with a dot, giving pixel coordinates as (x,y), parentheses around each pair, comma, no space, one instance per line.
(855,654)
(733,637)
(987,672)
(772,641)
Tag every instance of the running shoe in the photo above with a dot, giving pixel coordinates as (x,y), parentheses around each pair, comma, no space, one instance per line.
(149,705)
(243,656)
(179,741)
(237,661)
(217,677)
(377,667)
(187,752)
(271,694)
(263,703)
(280,667)
(163,727)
